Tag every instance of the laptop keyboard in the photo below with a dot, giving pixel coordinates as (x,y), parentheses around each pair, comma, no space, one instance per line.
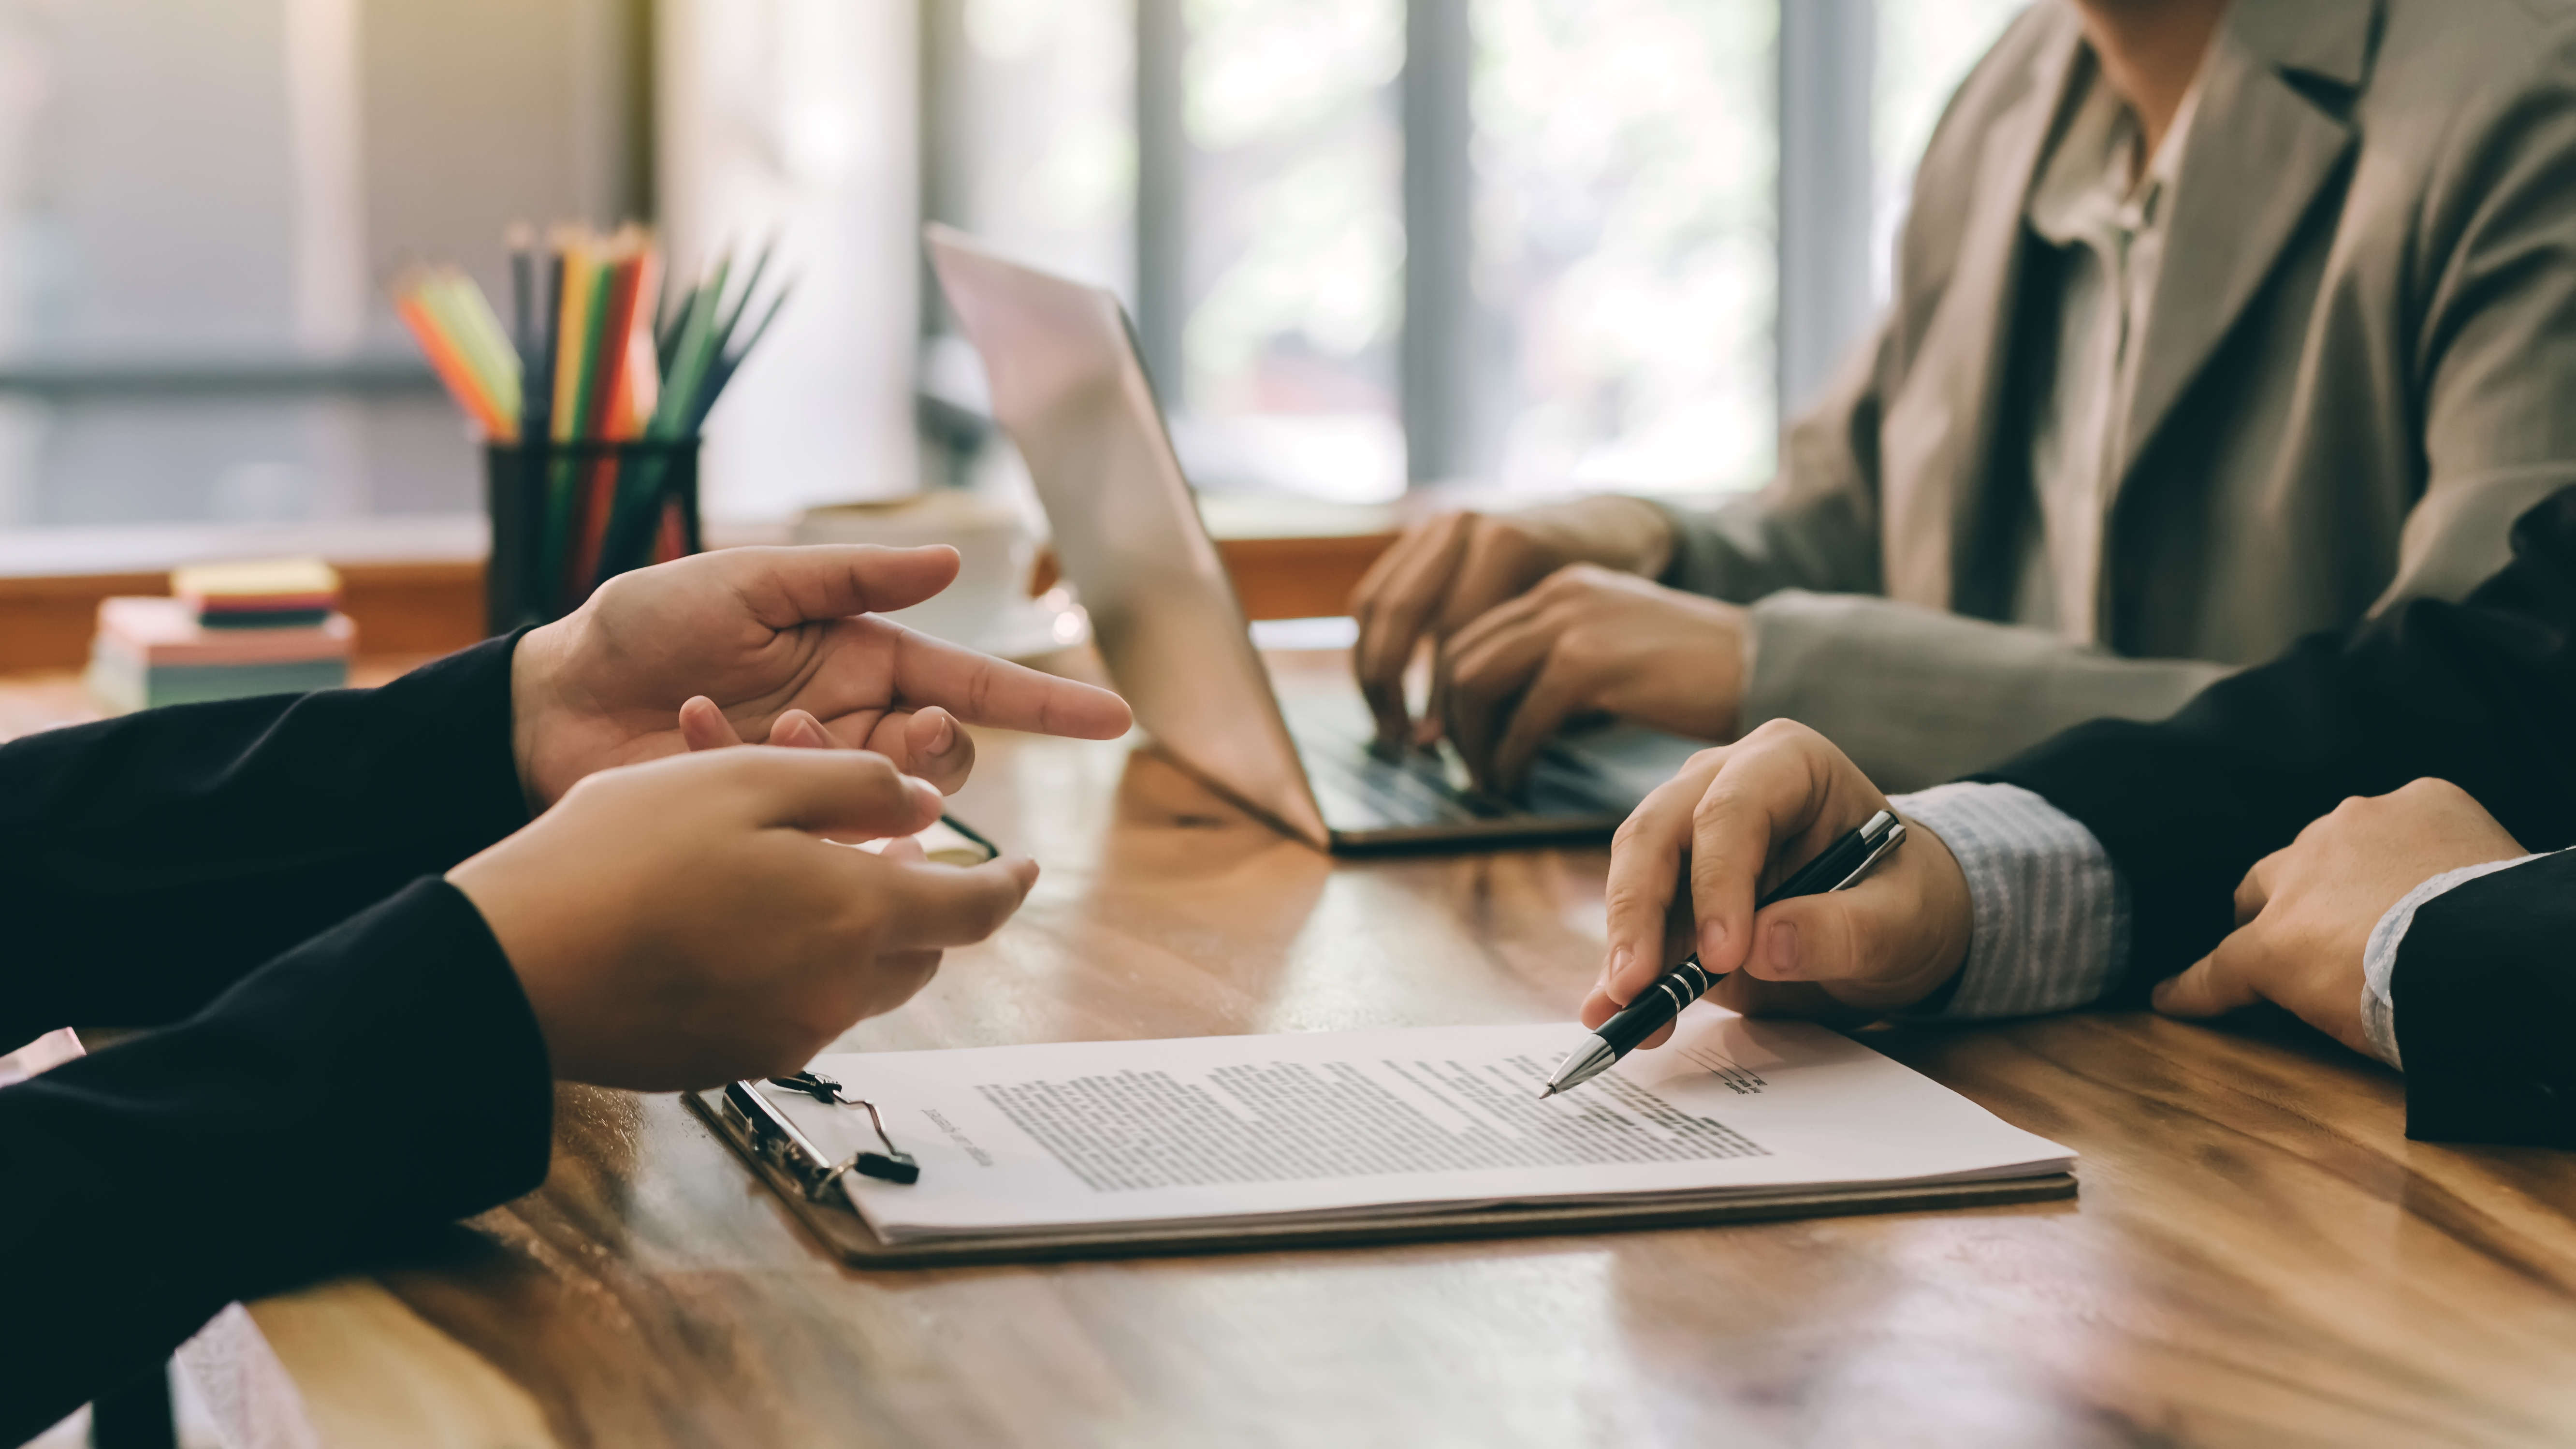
(1423,786)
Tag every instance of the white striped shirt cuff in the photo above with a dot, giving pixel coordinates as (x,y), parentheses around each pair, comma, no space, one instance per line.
(2379,957)
(2049,923)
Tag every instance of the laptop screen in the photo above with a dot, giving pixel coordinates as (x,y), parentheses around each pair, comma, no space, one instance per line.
(1070,390)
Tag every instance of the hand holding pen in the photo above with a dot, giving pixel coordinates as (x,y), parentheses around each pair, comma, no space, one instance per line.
(1652,1013)
(1783,793)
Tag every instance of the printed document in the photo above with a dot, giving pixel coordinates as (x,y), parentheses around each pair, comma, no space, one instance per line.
(1108,1135)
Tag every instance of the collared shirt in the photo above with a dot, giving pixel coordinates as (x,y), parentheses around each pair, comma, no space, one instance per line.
(2105,207)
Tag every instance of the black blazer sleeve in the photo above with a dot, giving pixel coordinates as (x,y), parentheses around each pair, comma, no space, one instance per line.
(382,1078)
(147,863)
(2481,693)
(2486,1008)
(344,1054)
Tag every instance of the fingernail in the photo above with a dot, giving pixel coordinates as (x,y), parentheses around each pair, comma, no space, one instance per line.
(947,739)
(1712,940)
(1617,968)
(1780,950)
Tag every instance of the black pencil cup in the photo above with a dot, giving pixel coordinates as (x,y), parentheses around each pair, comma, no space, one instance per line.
(568,517)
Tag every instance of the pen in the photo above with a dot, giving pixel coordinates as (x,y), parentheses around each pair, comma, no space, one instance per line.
(1843,864)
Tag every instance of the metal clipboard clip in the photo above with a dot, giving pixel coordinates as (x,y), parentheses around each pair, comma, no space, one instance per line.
(782,1144)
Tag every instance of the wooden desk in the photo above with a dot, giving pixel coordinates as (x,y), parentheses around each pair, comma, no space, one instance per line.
(2258,1255)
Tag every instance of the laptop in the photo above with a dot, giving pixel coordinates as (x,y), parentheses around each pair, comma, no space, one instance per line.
(1070,389)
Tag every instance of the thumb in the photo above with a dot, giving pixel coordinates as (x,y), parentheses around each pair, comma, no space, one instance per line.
(786,587)
(703,725)
(2215,984)
(798,729)
(839,792)
(1820,938)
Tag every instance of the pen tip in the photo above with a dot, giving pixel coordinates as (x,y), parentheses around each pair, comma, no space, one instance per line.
(1547,1091)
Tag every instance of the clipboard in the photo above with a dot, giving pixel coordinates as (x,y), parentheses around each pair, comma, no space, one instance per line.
(810,1187)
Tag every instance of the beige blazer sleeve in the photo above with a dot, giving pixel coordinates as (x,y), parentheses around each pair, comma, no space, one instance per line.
(1916,696)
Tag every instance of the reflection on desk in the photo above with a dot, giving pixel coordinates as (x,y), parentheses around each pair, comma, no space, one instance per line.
(2259,1255)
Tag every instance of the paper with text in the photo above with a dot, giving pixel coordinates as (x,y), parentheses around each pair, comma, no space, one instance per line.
(1077,1135)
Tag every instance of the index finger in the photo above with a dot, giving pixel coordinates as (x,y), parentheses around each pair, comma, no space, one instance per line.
(1645,866)
(2217,983)
(785,587)
(1767,794)
(1599,1007)
(980,689)
(1394,603)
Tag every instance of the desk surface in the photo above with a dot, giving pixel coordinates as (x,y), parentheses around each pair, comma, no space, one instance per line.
(2258,1255)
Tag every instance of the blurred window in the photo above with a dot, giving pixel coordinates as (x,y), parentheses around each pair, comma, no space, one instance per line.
(1624,241)
(1622,236)
(200,202)
(1294,246)
(1029,112)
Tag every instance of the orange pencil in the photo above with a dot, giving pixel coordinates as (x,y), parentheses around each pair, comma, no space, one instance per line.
(448,361)
(637,387)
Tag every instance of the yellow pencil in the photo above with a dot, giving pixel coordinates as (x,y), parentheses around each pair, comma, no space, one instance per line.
(572,326)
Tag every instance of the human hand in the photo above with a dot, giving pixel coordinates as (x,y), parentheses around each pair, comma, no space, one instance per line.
(678,923)
(1587,640)
(1734,823)
(761,632)
(704,727)
(2304,913)
(1446,571)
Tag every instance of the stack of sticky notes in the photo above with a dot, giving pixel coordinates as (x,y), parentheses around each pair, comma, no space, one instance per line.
(289,593)
(227,631)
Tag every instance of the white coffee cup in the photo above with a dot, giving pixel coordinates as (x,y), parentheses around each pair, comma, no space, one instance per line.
(994,553)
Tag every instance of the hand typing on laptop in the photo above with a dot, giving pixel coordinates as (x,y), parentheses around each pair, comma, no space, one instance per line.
(1448,571)
(1587,641)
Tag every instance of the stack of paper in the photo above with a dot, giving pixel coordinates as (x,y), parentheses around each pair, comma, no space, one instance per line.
(151,652)
(1105,1137)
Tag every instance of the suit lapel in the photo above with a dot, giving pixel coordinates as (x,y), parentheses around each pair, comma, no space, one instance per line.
(2257,154)
(1939,432)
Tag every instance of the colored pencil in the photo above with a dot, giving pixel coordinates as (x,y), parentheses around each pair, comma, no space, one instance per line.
(448,360)
(605,346)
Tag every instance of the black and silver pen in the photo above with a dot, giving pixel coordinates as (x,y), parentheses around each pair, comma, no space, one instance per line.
(1843,863)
